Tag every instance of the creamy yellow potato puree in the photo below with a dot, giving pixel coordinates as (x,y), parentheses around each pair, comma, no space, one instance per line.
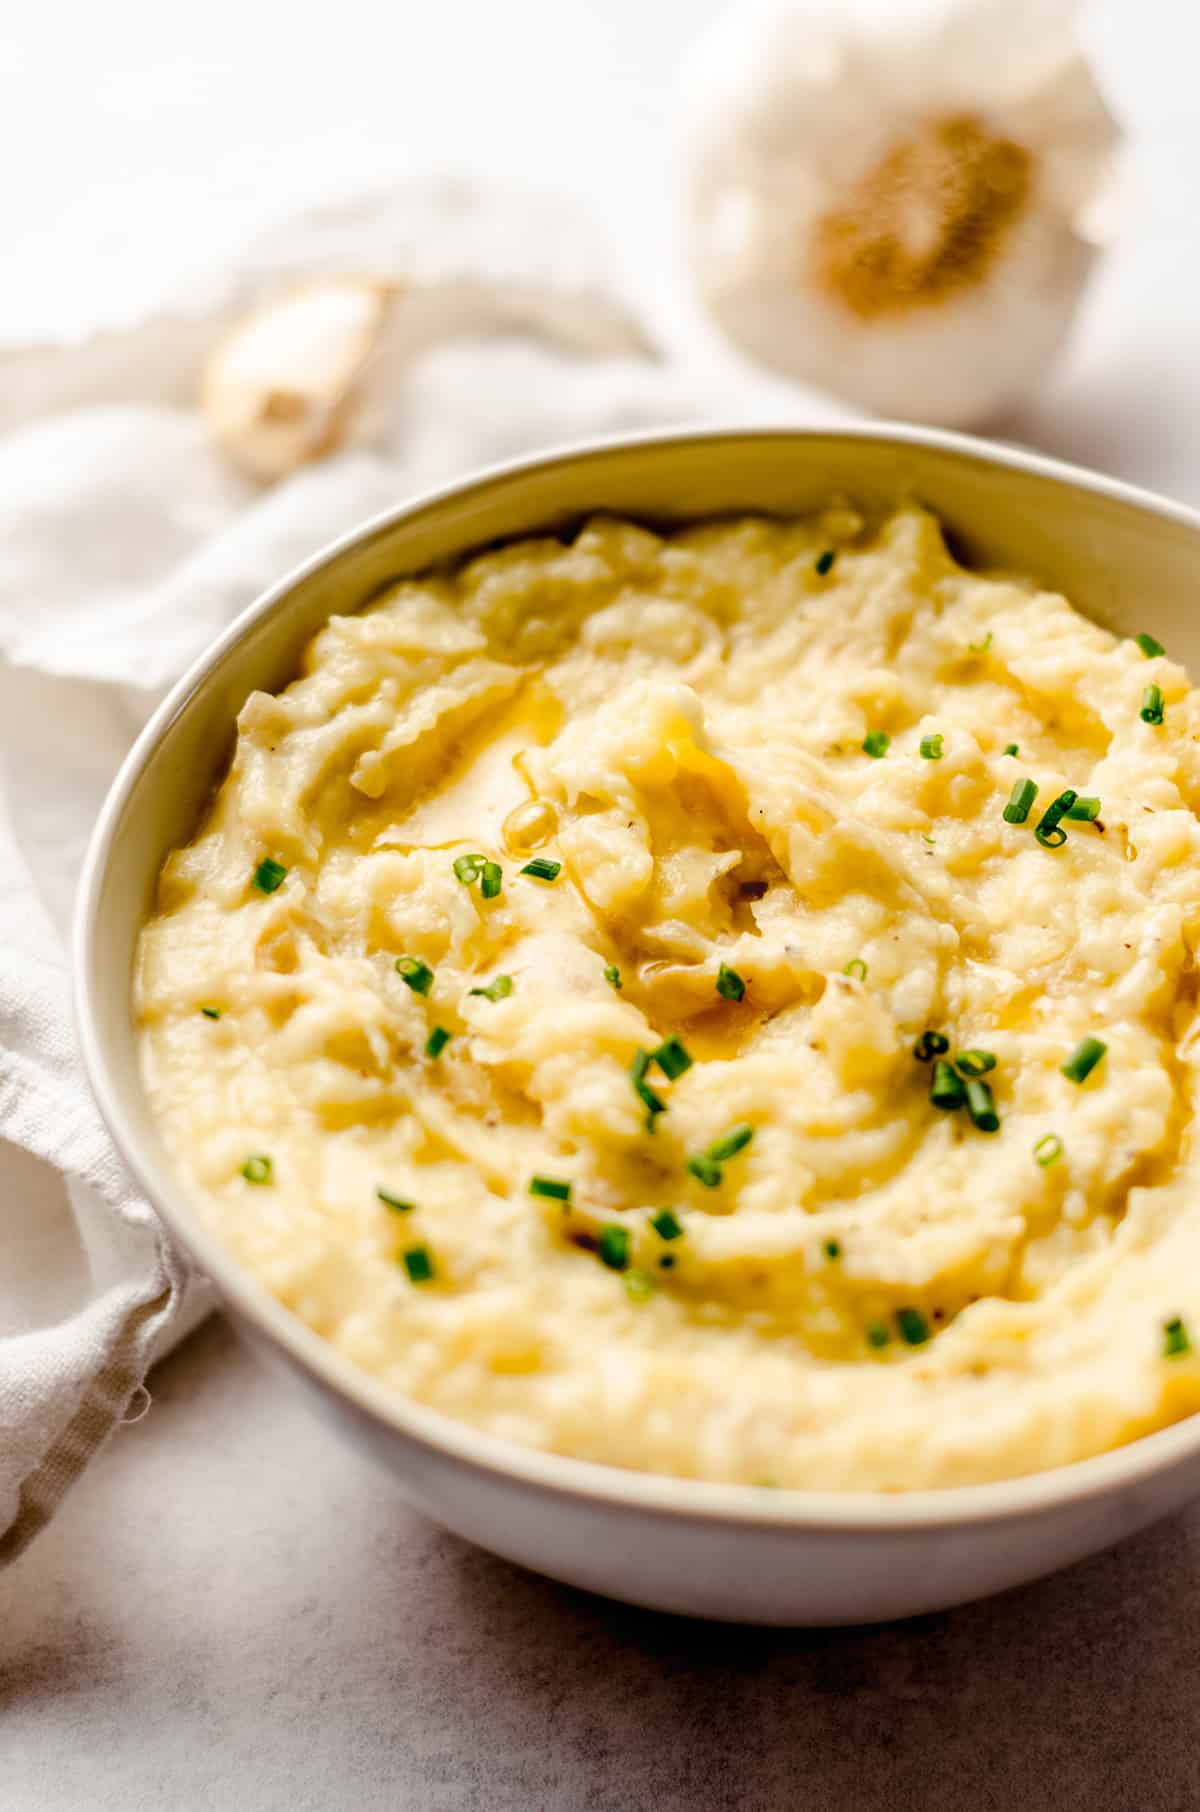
(631,1154)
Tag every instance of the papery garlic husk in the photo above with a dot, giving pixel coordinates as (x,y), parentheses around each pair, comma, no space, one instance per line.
(898,200)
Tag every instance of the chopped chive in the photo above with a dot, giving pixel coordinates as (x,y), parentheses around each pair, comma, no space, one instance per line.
(612,976)
(932,747)
(639,1286)
(981,647)
(394,1202)
(1148,645)
(667,1262)
(499,989)
(268,876)
(1152,705)
(930,1045)
(832,1248)
(613,1246)
(824,562)
(1175,1338)
(1083,1059)
(651,1101)
(1019,801)
(671,1058)
(857,968)
(211,1012)
(946,1089)
(914,1329)
(876,743)
(1012,749)
(981,1108)
(1048,1149)
(734,1141)
(551,1188)
(974,1063)
(418,1262)
(730,985)
(258,1170)
(705,1170)
(542,869)
(491,879)
(417,974)
(667,1225)
(1085,809)
(877,1335)
(437,1041)
(1049,832)
(467,869)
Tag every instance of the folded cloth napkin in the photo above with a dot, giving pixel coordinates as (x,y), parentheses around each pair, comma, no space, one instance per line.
(126,542)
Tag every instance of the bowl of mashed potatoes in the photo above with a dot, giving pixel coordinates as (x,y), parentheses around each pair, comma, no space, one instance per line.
(660,983)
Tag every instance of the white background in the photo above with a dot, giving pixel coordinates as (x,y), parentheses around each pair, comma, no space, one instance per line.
(232,1612)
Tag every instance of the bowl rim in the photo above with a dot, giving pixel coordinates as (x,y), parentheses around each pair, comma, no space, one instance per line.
(591,1482)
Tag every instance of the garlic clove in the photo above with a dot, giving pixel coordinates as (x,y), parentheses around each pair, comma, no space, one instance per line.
(901,203)
(285,386)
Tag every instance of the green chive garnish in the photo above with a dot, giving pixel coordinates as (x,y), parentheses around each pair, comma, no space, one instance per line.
(1083,1059)
(730,985)
(731,1144)
(981,1108)
(437,1041)
(542,869)
(258,1170)
(652,1102)
(211,1012)
(857,968)
(1048,1149)
(1175,1338)
(981,647)
(394,1202)
(417,974)
(930,1045)
(666,1262)
(491,879)
(876,743)
(877,1334)
(467,869)
(974,1063)
(1152,705)
(612,976)
(1019,801)
(1085,809)
(914,1329)
(1049,832)
(613,1246)
(268,876)
(499,989)
(551,1188)
(667,1225)
(671,1058)
(946,1089)
(832,1248)
(825,561)
(931,747)
(705,1170)
(1012,749)
(1148,645)
(418,1262)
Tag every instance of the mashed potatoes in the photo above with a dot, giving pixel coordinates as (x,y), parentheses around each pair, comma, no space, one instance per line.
(549,1007)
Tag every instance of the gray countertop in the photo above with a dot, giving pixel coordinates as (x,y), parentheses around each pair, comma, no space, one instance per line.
(235,1612)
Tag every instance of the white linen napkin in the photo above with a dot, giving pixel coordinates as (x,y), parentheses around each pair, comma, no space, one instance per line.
(126,543)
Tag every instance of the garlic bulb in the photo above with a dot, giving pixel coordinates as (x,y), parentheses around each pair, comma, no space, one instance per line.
(898,200)
(285,386)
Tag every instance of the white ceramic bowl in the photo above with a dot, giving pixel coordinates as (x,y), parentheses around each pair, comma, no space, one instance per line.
(735,1552)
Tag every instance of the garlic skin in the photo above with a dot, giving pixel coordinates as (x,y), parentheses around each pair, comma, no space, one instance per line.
(898,200)
(286,384)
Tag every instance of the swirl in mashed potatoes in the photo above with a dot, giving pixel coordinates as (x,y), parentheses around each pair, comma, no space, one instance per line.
(632,1155)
